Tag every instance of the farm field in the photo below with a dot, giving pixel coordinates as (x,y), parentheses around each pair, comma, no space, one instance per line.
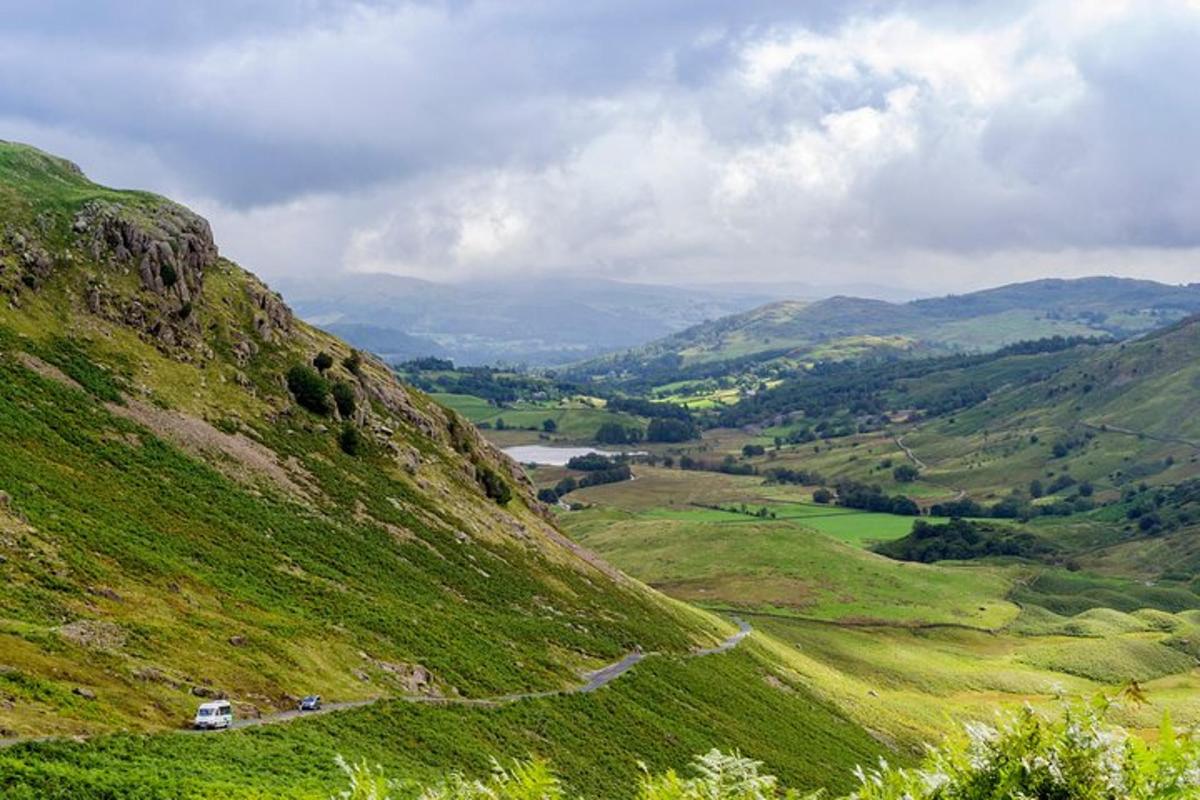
(574,420)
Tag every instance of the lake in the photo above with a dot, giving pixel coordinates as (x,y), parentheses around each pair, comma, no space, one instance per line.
(555,456)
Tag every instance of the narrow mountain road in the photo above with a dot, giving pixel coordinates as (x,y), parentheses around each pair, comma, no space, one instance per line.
(918,463)
(592,681)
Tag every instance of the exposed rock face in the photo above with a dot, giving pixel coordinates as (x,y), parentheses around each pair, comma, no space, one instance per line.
(169,245)
(272,317)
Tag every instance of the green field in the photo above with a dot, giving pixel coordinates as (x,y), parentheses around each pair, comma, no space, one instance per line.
(706,557)
(575,421)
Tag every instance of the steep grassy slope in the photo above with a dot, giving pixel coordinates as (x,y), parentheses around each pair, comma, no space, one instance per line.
(174,524)
(664,712)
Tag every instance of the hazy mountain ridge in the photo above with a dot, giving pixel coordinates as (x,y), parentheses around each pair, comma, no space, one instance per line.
(840,327)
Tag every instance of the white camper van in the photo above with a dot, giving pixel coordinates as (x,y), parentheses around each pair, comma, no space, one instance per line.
(217,714)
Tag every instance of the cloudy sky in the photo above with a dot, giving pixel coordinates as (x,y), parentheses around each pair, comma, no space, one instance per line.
(952,144)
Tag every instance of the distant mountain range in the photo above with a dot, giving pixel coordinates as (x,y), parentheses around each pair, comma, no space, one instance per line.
(845,327)
(541,321)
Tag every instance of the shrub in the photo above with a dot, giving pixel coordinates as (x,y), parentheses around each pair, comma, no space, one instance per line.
(353,362)
(343,397)
(548,496)
(906,473)
(549,425)
(169,276)
(350,440)
(310,389)
(323,361)
(493,485)
(1075,756)
(822,496)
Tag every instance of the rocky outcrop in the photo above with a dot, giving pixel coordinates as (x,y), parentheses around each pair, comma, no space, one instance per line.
(168,245)
(272,317)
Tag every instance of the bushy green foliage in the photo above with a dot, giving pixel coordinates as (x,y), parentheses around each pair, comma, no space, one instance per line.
(963,539)
(616,433)
(343,397)
(1075,757)
(350,440)
(662,429)
(493,485)
(310,389)
(323,361)
(1025,756)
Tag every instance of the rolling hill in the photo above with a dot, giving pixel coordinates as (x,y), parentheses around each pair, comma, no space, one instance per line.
(203,496)
(849,327)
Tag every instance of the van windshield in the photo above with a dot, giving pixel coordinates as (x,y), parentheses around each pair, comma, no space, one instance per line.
(204,712)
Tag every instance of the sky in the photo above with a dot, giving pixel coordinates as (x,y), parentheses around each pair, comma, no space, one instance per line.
(928,145)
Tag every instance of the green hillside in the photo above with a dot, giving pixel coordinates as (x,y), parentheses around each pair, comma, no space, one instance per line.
(202,496)
(775,337)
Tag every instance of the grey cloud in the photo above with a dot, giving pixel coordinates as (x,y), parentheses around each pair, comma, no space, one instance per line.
(622,136)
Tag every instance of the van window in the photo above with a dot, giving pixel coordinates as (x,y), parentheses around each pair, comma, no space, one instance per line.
(204,712)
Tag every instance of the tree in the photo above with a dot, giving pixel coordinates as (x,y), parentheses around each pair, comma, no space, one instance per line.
(323,361)
(750,450)
(168,274)
(500,424)
(310,389)
(549,425)
(822,496)
(547,496)
(906,473)
(343,397)
(1035,488)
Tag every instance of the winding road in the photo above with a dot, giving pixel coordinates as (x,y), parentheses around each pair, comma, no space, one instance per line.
(592,681)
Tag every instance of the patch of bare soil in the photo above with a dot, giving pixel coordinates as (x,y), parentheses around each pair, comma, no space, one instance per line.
(238,456)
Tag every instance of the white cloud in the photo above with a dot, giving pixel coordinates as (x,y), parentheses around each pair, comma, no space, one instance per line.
(954,143)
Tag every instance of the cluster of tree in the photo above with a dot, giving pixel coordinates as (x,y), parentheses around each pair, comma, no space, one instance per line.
(614,473)
(869,497)
(1162,509)
(496,386)
(761,512)
(613,432)
(728,465)
(637,375)
(752,450)
(640,407)
(962,539)
(866,388)
(670,429)
(801,477)
(426,364)
(1063,481)
(1012,507)
(316,393)
(593,462)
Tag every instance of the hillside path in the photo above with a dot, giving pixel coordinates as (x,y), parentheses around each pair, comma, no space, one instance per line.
(592,681)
